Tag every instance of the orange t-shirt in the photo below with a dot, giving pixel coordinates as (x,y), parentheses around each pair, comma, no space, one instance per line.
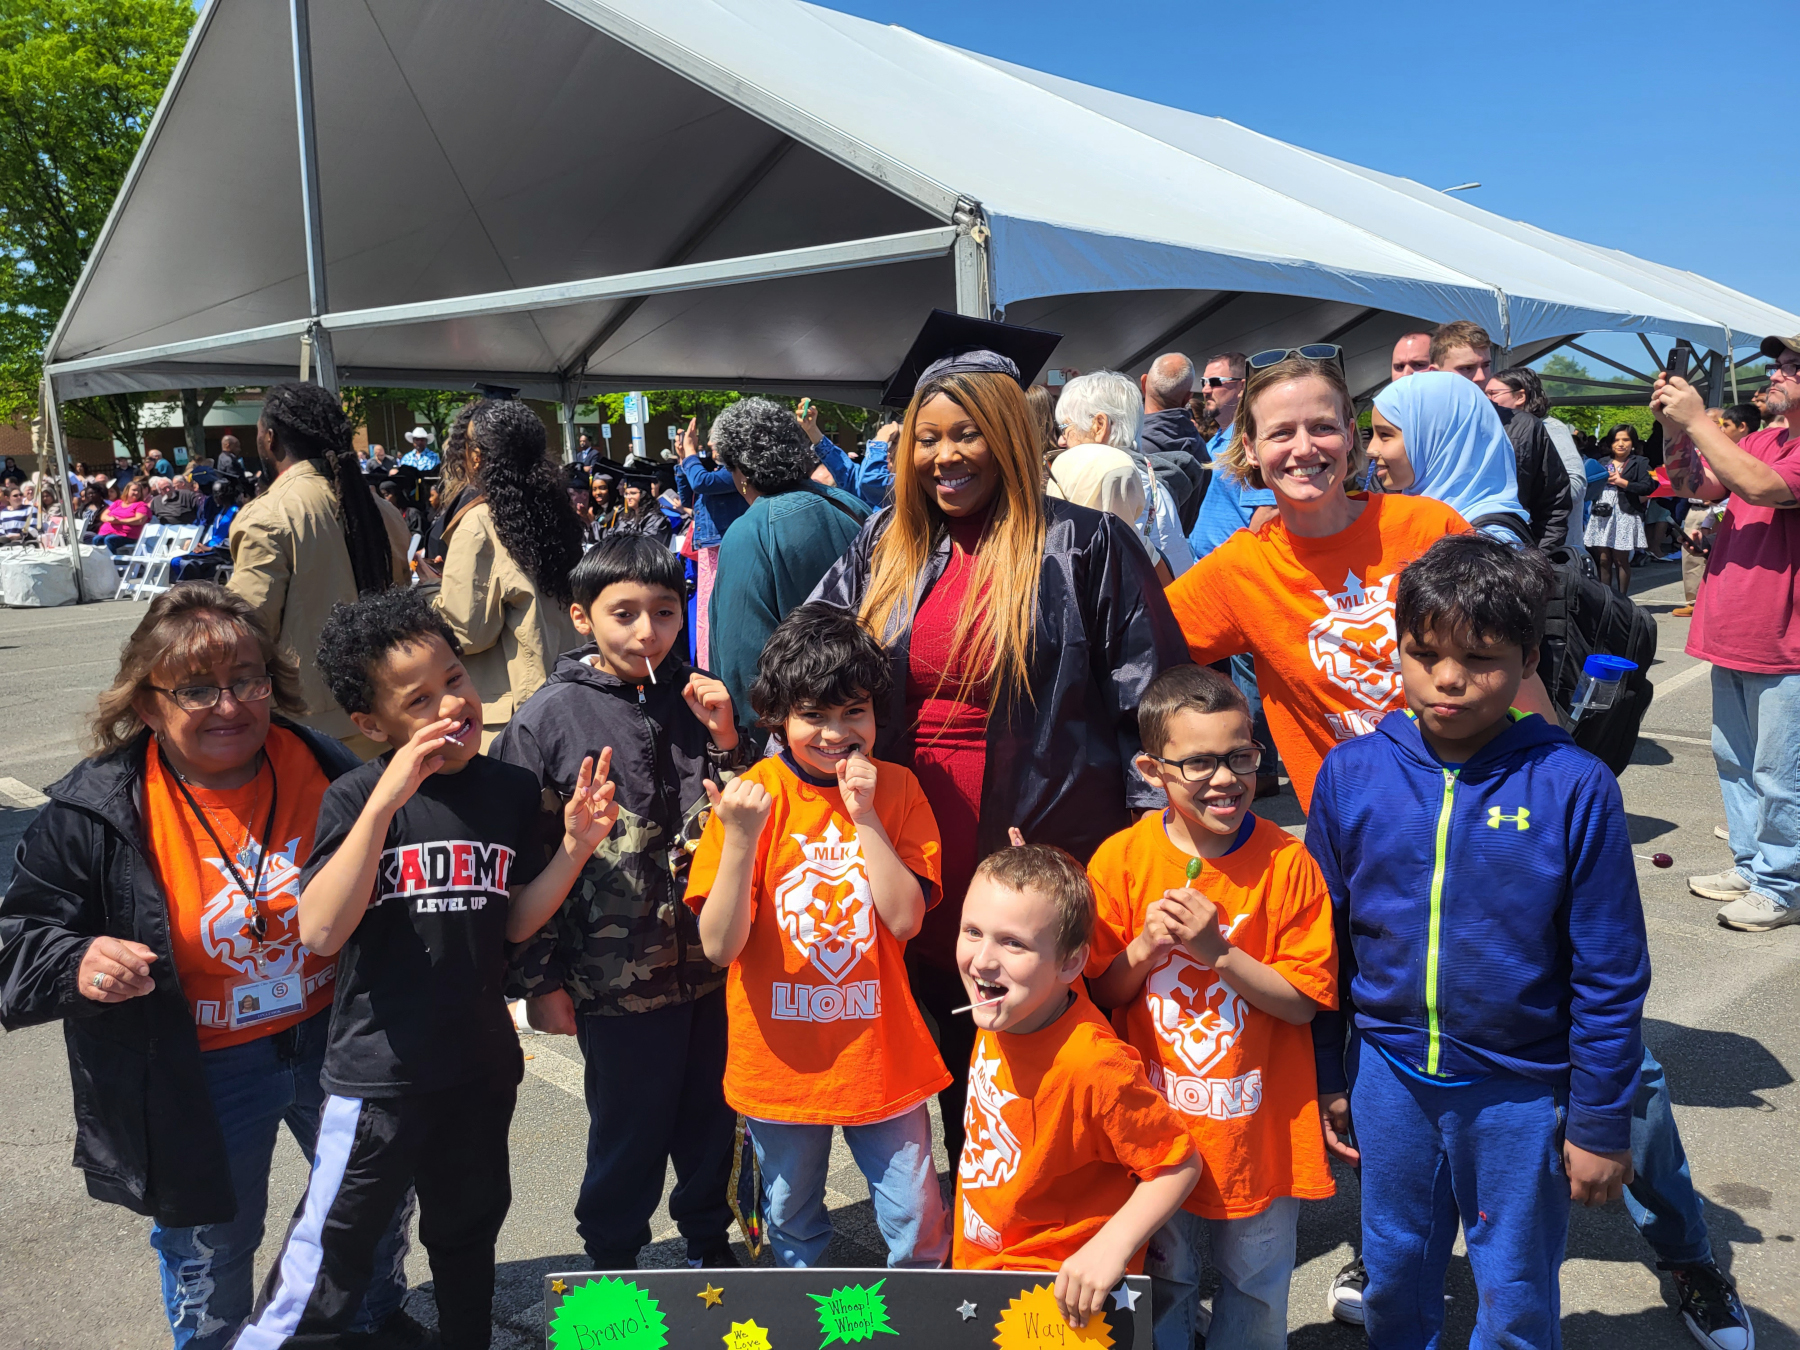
(1242,1079)
(234,997)
(824,1030)
(1318,614)
(1060,1126)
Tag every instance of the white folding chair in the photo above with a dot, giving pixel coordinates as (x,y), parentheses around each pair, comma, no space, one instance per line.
(131,566)
(175,541)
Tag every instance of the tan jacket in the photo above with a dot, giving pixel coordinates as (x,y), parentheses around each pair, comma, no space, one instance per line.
(510,635)
(289,561)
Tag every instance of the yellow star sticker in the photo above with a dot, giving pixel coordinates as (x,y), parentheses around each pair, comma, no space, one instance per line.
(558,1287)
(710,1296)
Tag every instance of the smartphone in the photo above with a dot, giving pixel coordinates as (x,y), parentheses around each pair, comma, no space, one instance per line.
(1677,367)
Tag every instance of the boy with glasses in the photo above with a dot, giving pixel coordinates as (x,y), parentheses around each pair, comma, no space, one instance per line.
(1214,935)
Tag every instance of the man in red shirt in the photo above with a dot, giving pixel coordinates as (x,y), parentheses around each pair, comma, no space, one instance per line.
(1747,624)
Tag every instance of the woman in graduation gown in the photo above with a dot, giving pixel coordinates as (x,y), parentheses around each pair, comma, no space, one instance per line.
(1023,632)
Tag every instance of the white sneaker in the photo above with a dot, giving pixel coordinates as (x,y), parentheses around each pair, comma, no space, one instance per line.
(1754,912)
(1344,1300)
(1720,832)
(1719,886)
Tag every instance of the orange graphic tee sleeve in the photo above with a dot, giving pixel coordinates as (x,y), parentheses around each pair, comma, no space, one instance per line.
(1305,945)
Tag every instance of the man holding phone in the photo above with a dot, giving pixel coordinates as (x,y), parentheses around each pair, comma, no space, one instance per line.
(1747,624)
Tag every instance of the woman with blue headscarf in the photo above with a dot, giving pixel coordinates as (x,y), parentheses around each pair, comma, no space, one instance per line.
(1436,435)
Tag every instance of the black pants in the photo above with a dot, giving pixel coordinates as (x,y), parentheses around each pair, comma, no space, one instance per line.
(451,1148)
(655,1087)
(938,989)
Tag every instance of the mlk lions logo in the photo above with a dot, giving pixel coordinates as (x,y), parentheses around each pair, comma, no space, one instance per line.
(824,905)
(991,1150)
(1354,642)
(226,917)
(1196,1013)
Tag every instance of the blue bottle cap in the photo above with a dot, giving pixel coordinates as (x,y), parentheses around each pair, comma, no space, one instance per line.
(1607,667)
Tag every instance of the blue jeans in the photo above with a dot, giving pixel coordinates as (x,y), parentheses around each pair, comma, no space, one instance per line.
(1661,1198)
(206,1271)
(895,1157)
(1756,745)
(1487,1158)
(1255,1258)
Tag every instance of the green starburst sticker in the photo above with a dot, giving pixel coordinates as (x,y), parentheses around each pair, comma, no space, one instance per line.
(608,1314)
(852,1313)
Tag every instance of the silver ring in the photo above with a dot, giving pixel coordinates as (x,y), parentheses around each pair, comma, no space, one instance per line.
(99,980)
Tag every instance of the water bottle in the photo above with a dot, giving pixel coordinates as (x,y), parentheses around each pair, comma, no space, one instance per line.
(1601,677)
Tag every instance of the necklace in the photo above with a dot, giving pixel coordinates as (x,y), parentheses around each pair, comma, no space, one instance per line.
(252,892)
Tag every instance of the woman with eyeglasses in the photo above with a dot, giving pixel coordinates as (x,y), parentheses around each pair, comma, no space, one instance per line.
(152,911)
(1309,594)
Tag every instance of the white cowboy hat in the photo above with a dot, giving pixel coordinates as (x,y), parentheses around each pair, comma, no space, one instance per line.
(418,434)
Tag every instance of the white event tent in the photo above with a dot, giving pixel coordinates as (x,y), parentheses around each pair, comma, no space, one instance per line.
(574,196)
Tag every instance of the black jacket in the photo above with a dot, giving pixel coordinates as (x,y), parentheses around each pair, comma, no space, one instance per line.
(1173,445)
(1059,766)
(624,942)
(1544,489)
(1636,472)
(145,1131)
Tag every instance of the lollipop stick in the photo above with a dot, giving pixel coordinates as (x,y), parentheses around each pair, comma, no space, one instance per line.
(986,1002)
(651,669)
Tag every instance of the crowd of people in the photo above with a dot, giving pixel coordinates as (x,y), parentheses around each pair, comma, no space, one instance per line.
(802,787)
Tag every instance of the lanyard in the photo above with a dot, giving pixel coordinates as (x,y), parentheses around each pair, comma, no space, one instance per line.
(253,892)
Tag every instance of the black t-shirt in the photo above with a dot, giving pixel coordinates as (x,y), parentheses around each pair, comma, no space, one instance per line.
(419,1006)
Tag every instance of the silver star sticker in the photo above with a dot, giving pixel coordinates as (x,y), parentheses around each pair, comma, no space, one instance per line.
(967,1310)
(1125,1298)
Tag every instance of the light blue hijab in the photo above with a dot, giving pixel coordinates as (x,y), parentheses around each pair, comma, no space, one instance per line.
(1457,446)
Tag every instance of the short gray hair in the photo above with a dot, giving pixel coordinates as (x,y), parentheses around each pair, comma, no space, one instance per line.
(763,441)
(1171,379)
(1104,391)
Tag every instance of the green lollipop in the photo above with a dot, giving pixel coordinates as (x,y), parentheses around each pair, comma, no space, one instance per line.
(1193,868)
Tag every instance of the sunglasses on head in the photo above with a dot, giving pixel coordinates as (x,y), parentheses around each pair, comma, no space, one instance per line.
(1314,351)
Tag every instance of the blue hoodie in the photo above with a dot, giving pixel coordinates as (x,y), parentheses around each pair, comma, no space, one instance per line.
(1488,917)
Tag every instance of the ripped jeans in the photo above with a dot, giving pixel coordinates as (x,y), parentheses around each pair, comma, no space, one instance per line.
(207,1272)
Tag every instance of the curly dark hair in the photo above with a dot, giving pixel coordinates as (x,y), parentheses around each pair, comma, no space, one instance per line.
(525,492)
(356,638)
(820,656)
(308,423)
(454,460)
(762,441)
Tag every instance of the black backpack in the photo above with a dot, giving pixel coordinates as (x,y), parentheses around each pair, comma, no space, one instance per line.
(1584,619)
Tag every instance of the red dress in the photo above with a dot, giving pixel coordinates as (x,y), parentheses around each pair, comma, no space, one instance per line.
(950,754)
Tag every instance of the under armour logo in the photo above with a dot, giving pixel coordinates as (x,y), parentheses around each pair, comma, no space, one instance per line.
(1520,818)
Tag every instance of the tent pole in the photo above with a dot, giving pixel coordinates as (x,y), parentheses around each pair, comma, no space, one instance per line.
(71,522)
(973,295)
(301,28)
(569,392)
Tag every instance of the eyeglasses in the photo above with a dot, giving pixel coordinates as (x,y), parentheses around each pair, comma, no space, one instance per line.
(1216,381)
(1201,768)
(200,697)
(1315,351)
(1784,370)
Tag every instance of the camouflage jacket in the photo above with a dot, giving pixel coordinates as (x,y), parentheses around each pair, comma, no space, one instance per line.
(624,941)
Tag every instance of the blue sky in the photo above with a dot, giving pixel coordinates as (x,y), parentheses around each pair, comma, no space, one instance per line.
(1606,122)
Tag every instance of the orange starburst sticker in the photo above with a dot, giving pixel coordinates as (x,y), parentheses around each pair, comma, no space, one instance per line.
(1031,1322)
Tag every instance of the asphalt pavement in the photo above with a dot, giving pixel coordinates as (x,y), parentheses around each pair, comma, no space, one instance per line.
(1721,1016)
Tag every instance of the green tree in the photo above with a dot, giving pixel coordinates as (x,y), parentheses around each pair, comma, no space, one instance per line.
(435,408)
(1563,364)
(79,80)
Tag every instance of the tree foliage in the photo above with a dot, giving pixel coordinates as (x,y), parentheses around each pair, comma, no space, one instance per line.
(838,419)
(79,81)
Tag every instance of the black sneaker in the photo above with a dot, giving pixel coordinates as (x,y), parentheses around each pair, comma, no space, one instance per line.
(1710,1307)
(1344,1300)
(398,1331)
(716,1257)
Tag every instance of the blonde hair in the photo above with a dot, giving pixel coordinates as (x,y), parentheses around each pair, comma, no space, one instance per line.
(1238,458)
(192,625)
(999,610)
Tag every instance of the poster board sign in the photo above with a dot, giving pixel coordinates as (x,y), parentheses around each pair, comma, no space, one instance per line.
(763,1309)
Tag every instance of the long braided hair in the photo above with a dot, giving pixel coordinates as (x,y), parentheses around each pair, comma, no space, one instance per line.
(526,494)
(309,424)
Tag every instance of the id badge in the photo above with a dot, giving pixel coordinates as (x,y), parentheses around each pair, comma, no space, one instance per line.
(261,1000)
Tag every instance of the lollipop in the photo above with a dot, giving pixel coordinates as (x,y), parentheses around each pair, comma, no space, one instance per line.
(1193,868)
(1656,859)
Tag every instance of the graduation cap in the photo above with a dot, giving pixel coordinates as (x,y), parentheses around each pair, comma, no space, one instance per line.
(953,343)
(497,391)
